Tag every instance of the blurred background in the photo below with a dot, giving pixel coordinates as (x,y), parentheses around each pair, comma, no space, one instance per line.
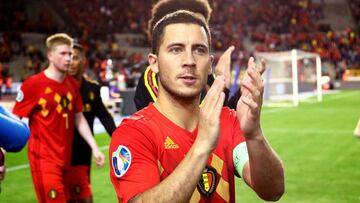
(315,140)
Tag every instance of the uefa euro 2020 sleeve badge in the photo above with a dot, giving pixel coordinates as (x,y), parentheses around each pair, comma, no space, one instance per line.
(121,160)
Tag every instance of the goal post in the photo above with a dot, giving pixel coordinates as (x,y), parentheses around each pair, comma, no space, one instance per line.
(291,76)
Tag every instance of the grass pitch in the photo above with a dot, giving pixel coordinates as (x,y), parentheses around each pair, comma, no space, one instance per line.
(315,141)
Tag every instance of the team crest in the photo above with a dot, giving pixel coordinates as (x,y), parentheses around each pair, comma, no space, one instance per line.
(92,96)
(64,102)
(77,189)
(20,96)
(121,160)
(52,194)
(208,181)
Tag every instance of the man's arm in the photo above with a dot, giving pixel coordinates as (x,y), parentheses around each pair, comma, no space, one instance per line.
(264,172)
(85,132)
(181,183)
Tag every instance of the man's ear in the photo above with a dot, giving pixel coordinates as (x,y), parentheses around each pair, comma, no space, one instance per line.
(49,55)
(211,64)
(153,61)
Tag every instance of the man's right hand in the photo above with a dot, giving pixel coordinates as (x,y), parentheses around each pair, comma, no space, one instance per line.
(209,119)
(99,157)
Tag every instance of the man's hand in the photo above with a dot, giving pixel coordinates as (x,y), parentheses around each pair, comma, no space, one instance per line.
(209,120)
(99,157)
(249,105)
(223,67)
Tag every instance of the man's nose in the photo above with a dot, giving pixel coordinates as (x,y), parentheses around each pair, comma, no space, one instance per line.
(189,59)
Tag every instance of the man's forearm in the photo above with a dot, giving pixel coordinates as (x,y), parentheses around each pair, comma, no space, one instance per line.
(181,183)
(266,169)
(84,130)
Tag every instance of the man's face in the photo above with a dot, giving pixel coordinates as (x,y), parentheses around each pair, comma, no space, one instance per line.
(76,63)
(183,62)
(60,57)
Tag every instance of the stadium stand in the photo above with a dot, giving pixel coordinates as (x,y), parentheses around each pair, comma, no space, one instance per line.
(116,31)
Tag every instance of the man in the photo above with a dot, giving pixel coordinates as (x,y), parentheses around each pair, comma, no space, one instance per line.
(77,183)
(147,88)
(51,101)
(174,150)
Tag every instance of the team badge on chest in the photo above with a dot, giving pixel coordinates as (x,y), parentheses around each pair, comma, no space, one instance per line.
(208,181)
(121,160)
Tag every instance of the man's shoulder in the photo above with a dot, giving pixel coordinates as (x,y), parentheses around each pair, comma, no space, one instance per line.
(33,79)
(90,81)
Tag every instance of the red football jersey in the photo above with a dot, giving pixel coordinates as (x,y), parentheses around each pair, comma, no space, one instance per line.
(51,107)
(147,147)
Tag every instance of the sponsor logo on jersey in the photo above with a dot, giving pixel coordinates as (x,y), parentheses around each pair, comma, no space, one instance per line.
(52,194)
(20,96)
(121,160)
(170,144)
(208,181)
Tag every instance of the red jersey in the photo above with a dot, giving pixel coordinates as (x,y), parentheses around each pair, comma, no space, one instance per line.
(147,147)
(51,107)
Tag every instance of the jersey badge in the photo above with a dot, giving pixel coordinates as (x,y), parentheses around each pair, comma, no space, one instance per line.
(91,96)
(121,160)
(170,144)
(208,181)
(52,193)
(20,96)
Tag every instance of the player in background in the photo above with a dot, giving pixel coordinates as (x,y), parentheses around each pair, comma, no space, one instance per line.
(52,102)
(77,184)
(175,151)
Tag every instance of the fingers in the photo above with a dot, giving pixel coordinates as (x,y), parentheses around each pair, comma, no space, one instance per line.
(99,159)
(225,58)
(262,66)
(224,65)
(212,97)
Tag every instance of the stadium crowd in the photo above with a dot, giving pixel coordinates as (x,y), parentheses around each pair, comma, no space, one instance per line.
(275,25)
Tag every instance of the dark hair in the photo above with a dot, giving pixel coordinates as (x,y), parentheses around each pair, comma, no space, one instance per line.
(164,7)
(180,16)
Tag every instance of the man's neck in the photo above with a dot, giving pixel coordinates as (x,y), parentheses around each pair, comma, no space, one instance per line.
(54,74)
(184,113)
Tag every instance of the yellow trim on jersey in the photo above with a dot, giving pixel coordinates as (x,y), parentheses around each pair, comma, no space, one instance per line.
(152,94)
(153,76)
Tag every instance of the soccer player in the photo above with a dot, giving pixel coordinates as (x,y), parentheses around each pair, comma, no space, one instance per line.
(52,102)
(147,88)
(77,184)
(175,151)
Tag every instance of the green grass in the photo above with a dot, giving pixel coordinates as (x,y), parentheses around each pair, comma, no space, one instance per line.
(315,142)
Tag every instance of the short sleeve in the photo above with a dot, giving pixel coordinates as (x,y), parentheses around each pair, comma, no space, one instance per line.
(26,100)
(133,162)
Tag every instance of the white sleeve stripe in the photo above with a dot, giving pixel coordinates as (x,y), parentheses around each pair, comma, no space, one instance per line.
(240,157)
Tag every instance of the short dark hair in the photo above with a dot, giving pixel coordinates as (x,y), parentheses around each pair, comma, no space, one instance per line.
(180,16)
(164,7)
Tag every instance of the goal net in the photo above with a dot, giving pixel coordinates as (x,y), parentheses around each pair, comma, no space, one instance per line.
(291,77)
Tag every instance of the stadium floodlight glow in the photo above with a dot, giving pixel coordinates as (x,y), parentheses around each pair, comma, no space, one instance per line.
(291,76)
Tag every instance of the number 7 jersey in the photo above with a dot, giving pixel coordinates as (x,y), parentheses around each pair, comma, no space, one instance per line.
(51,107)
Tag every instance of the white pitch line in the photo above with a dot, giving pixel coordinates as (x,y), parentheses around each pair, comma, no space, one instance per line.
(272,110)
(24,166)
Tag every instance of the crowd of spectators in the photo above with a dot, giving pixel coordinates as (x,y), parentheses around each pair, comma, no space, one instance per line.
(269,25)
